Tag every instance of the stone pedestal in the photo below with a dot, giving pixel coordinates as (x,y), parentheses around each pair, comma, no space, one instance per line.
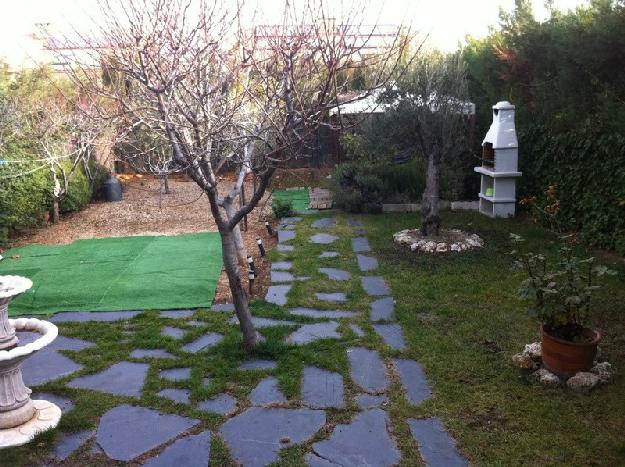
(16,407)
(7,333)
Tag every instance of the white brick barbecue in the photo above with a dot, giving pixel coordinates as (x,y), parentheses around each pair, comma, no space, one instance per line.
(499,170)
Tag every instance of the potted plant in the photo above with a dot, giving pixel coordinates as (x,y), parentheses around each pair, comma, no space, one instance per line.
(560,294)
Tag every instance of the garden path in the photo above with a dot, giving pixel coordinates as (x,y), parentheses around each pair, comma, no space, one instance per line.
(262,426)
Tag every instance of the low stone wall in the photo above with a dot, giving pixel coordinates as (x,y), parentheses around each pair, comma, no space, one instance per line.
(416,207)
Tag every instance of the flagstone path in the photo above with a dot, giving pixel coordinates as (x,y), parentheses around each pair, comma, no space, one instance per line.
(256,427)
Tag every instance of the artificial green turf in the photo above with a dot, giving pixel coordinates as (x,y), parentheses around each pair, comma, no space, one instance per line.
(111,274)
(300,200)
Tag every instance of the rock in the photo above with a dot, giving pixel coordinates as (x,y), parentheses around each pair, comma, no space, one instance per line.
(524,362)
(455,247)
(583,381)
(533,351)
(441,247)
(546,377)
(603,371)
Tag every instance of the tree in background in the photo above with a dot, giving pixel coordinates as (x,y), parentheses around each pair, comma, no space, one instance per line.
(226,97)
(432,99)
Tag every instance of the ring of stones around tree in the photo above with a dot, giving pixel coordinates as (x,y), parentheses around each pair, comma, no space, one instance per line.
(333,384)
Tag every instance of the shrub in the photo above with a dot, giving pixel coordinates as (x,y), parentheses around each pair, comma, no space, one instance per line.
(282,208)
(78,193)
(362,187)
(24,200)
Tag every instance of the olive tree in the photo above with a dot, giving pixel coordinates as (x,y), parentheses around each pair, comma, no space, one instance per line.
(432,98)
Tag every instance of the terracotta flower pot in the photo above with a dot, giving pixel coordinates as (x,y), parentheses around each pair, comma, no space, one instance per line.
(566,358)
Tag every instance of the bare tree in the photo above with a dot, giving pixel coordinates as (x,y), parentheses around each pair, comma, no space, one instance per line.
(433,95)
(227,97)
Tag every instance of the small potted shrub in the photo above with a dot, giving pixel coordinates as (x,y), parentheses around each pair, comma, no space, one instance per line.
(560,294)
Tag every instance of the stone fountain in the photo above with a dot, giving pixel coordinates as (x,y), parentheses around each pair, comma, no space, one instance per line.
(20,417)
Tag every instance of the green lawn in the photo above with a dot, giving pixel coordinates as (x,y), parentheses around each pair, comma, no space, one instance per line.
(461,319)
(464,322)
(121,273)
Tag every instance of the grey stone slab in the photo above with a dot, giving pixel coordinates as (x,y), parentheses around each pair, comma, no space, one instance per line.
(322,389)
(436,446)
(267,392)
(335,297)
(391,334)
(285,235)
(120,379)
(276,294)
(174,333)
(329,254)
(207,340)
(367,401)
(69,343)
(256,436)
(180,396)
(259,365)
(367,263)
(175,374)
(281,276)
(291,220)
(260,322)
(360,245)
(69,443)
(151,353)
(367,369)
(282,265)
(414,380)
(357,330)
(324,223)
(364,441)
(222,404)
(46,366)
(383,309)
(323,238)
(95,316)
(313,460)
(287,227)
(126,432)
(335,274)
(314,332)
(282,247)
(375,286)
(190,451)
(313,313)
(174,314)
(354,222)
(226,307)
(63,403)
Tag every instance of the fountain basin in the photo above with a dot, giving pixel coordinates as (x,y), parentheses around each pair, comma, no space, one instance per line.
(20,417)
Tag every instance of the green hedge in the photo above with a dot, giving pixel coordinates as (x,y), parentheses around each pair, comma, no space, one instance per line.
(588,168)
(363,187)
(25,199)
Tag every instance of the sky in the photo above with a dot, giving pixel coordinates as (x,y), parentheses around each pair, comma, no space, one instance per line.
(444,22)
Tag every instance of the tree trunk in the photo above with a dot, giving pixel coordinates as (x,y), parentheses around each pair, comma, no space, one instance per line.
(236,235)
(239,297)
(55,210)
(166,183)
(431,220)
